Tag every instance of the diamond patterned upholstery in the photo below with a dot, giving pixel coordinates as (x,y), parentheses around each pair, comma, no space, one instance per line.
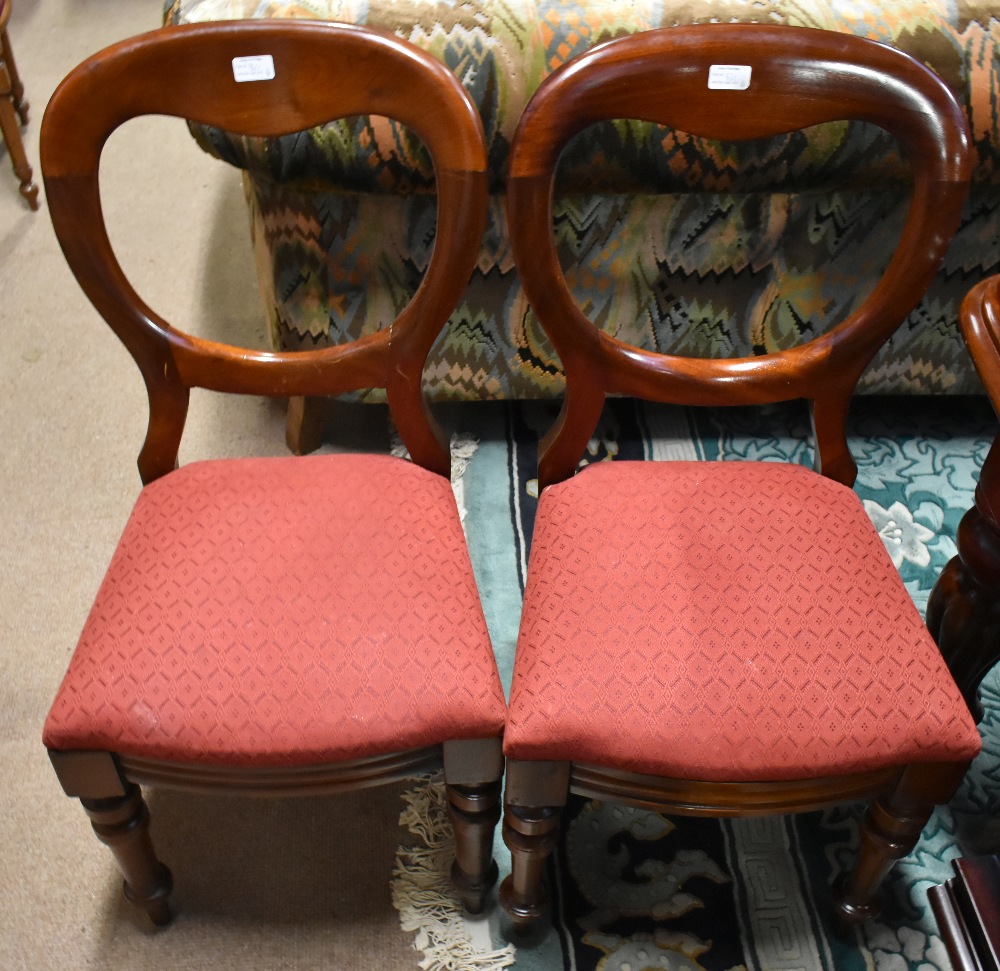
(723,621)
(284,612)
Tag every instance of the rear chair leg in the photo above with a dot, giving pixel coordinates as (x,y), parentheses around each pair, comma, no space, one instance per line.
(122,823)
(305,423)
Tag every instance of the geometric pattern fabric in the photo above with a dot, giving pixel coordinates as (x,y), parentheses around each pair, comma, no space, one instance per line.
(284,611)
(724,621)
(784,239)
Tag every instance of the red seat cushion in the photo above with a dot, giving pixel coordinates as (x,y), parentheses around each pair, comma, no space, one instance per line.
(723,621)
(284,611)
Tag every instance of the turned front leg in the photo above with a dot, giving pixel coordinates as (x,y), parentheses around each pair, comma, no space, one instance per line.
(890,829)
(530,835)
(473,773)
(536,793)
(122,823)
(474,812)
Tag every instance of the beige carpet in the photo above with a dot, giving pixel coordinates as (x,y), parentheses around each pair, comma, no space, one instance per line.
(259,884)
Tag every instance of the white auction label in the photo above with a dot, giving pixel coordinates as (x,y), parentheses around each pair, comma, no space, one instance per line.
(729,77)
(259,67)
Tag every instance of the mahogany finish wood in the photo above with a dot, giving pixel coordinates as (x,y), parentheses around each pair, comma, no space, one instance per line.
(963,612)
(323,71)
(14,111)
(967,908)
(800,77)
(182,72)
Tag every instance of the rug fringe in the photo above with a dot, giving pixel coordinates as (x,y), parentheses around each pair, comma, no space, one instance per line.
(422,890)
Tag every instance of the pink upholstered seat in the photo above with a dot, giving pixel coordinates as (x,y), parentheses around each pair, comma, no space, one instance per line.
(723,621)
(268,612)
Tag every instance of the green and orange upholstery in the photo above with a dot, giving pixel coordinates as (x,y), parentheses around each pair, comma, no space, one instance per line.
(342,217)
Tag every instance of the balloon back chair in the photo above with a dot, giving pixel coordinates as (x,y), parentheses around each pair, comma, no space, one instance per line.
(726,638)
(277,625)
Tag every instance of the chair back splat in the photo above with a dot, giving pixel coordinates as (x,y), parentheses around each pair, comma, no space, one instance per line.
(284,625)
(727,638)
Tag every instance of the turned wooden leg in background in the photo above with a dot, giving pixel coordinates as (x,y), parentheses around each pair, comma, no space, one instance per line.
(14,110)
(16,87)
(963,613)
(474,812)
(890,829)
(122,823)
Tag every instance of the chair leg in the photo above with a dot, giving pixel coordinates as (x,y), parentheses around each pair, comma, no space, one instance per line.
(891,826)
(12,137)
(474,811)
(536,793)
(122,823)
(16,87)
(963,614)
(304,424)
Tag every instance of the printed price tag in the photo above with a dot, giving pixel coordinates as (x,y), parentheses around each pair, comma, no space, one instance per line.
(729,77)
(259,67)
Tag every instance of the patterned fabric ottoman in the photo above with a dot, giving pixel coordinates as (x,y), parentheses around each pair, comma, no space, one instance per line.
(769,255)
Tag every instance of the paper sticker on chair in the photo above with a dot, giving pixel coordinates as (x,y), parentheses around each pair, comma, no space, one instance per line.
(729,77)
(258,67)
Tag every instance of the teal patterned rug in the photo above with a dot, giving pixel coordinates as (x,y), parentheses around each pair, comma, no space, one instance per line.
(635,891)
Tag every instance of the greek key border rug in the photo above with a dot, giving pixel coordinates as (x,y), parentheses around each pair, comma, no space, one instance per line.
(634,890)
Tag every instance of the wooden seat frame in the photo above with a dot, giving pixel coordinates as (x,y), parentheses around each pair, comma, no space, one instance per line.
(322,72)
(799,78)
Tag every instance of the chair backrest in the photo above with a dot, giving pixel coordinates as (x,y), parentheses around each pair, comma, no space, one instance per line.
(734,82)
(268,79)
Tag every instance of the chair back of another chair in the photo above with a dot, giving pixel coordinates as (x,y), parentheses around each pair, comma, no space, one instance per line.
(734,82)
(267,78)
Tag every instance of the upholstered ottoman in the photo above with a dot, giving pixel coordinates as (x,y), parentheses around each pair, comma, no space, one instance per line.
(758,262)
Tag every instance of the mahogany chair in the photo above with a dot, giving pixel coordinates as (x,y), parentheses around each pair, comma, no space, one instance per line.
(963,612)
(277,625)
(726,638)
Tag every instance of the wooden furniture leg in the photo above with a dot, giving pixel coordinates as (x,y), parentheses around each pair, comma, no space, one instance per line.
(530,835)
(963,613)
(530,832)
(122,823)
(304,424)
(16,87)
(474,812)
(890,829)
(12,109)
